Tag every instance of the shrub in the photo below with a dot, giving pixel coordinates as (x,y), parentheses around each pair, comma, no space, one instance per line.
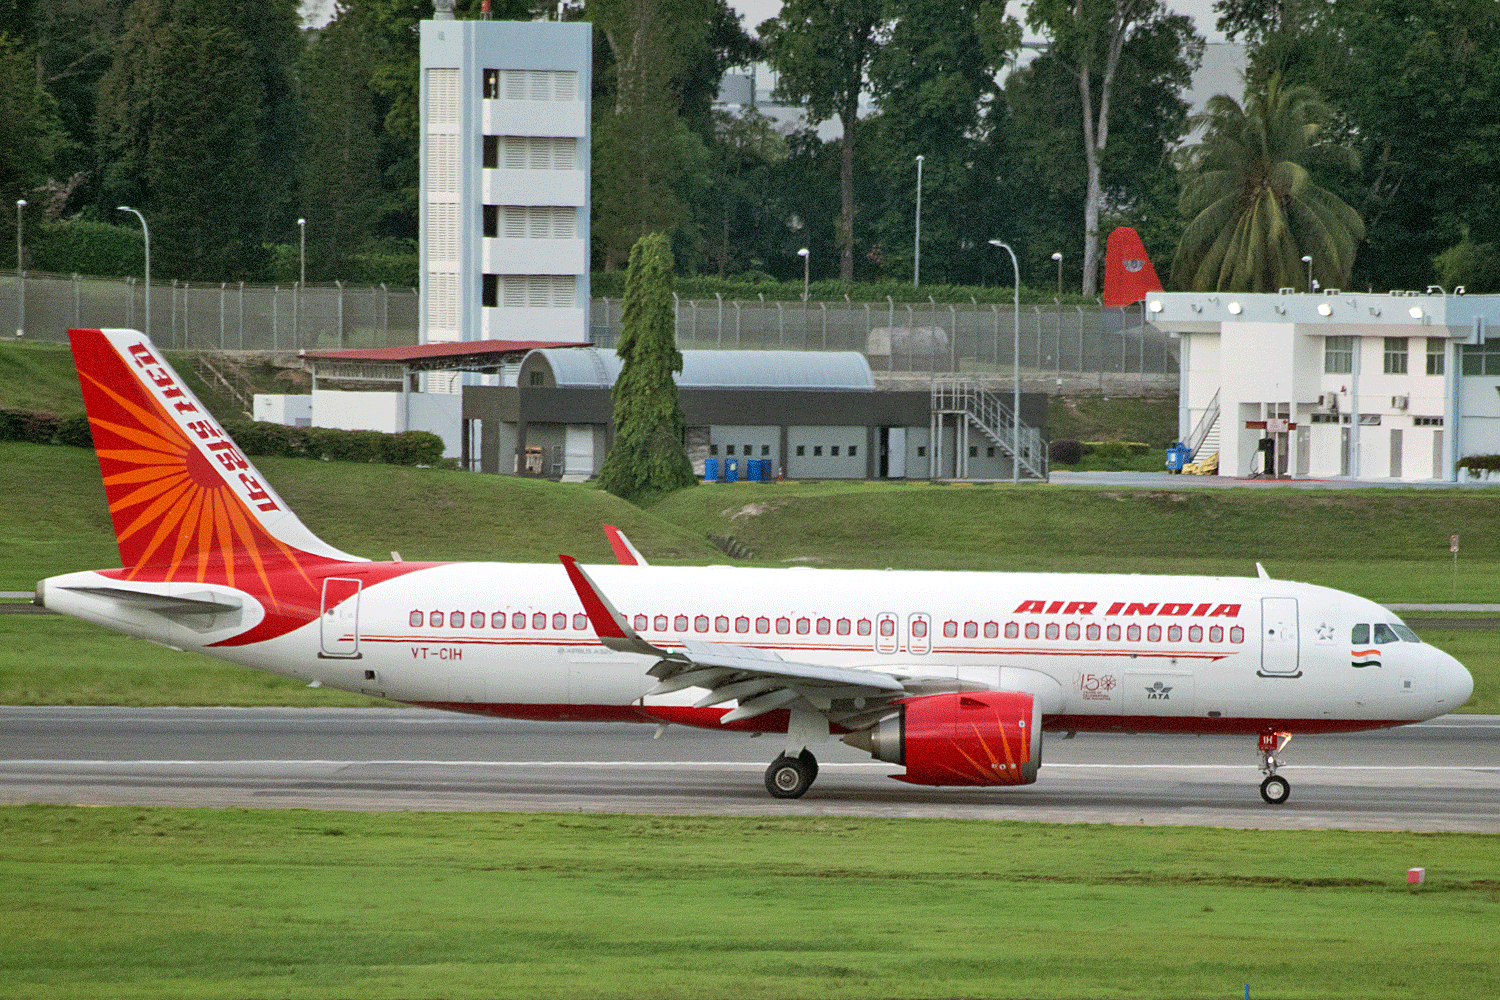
(75,432)
(1066,452)
(1478,462)
(411,448)
(258,437)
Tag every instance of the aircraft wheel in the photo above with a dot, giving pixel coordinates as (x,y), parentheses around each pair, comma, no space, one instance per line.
(791,777)
(1275,790)
(806,756)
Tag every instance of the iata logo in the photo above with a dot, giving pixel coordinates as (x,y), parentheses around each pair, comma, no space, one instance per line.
(1158,692)
(1134,265)
(1361,658)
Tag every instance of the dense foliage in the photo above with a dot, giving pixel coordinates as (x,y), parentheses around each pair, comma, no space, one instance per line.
(648,456)
(225,124)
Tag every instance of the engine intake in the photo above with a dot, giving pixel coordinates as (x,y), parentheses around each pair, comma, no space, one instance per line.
(971,738)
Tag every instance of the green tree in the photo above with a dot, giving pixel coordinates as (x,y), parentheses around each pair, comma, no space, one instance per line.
(341,188)
(649,166)
(745,220)
(934,80)
(30,133)
(195,128)
(1254,208)
(1089,38)
(648,456)
(823,49)
(1035,152)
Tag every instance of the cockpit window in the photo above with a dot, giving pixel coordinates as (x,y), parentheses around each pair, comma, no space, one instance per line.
(1406,634)
(1385,633)
(1360,635)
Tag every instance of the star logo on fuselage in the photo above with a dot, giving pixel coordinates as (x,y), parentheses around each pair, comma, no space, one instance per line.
(1325,632)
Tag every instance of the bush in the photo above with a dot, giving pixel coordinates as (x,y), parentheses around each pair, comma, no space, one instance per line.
(23,425)
(257,437)
(1066,452)
(83,246)
(411,448)
(1480,462)
(75,432)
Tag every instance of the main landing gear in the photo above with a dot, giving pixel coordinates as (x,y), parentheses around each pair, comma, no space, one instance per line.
(790,777)
(1275,789)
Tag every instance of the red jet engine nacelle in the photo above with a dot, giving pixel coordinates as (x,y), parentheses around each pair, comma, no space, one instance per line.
(969,738)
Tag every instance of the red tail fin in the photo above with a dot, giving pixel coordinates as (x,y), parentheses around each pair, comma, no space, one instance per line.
(1128,274)
(186,503)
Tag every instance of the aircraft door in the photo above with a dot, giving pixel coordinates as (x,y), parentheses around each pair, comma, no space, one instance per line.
(1279,646)
(338,626)
(919,633)
(887,632)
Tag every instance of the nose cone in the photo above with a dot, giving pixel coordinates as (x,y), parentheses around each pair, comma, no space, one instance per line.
(1453,684)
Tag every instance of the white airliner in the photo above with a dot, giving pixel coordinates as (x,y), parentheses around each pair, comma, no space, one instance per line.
(952,676)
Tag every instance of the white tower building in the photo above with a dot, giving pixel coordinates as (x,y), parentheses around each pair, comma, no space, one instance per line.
(505,181)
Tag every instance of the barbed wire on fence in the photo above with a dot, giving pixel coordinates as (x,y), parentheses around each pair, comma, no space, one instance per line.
(1071,346)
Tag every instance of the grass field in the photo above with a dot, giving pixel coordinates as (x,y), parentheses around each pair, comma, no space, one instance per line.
(1389,545)
(201,903)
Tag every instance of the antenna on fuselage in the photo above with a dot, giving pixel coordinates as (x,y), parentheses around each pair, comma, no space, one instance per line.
(1260,571)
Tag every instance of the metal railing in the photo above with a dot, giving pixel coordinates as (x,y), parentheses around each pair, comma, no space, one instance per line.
(1204,427)
(994,417)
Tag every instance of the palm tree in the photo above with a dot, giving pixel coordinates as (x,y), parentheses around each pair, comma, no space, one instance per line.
(1255,212)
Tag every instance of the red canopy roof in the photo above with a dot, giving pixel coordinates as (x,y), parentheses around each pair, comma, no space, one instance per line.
(457,349)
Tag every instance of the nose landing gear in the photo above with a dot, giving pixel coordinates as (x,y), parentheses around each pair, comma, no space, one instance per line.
(1275,789)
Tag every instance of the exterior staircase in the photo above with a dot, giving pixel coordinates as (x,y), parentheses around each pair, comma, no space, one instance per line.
(990,413)
(1205,437)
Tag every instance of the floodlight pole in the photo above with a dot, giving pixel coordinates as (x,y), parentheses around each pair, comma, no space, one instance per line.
(1015,404)
(146,232)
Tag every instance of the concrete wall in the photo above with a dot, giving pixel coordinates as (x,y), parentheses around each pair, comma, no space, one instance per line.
(381,411)
(291,410)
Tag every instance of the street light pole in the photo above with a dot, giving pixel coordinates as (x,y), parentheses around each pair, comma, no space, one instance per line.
(146,232)
(20,278)
(805,257)
(1308,261)
(916,266)
(1058,257)
(302,251)
(1015,403)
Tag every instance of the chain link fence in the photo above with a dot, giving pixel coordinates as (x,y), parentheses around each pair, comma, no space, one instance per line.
(200,315)
(1061,347)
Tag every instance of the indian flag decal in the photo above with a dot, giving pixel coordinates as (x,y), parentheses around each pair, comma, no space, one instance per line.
(1364,658)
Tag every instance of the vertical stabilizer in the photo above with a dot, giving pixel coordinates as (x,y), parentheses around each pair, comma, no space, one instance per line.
(1128,274)
(187,504)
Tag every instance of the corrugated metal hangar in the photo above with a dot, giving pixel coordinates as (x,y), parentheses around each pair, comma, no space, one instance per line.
(806,414)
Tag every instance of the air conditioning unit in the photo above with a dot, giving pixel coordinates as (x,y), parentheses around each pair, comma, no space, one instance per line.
(1328,401)
(1400,402)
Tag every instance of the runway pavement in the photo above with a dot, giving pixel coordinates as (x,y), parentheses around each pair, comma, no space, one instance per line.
(1442,775)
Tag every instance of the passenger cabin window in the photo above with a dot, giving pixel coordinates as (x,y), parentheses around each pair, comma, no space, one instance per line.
(416,618)
(476,619)
(497,620)
(863,628)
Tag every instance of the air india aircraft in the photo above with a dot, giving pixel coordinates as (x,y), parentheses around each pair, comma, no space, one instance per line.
(952,676)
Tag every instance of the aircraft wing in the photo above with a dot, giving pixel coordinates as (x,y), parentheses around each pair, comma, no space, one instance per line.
(759,680)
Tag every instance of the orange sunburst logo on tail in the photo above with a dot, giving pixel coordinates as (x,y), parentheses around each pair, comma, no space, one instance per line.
(186,503)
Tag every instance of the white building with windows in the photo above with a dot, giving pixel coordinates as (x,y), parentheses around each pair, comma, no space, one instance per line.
(1399,385)
(504,206)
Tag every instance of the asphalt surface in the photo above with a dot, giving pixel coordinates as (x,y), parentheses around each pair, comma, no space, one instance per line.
(1442,775)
